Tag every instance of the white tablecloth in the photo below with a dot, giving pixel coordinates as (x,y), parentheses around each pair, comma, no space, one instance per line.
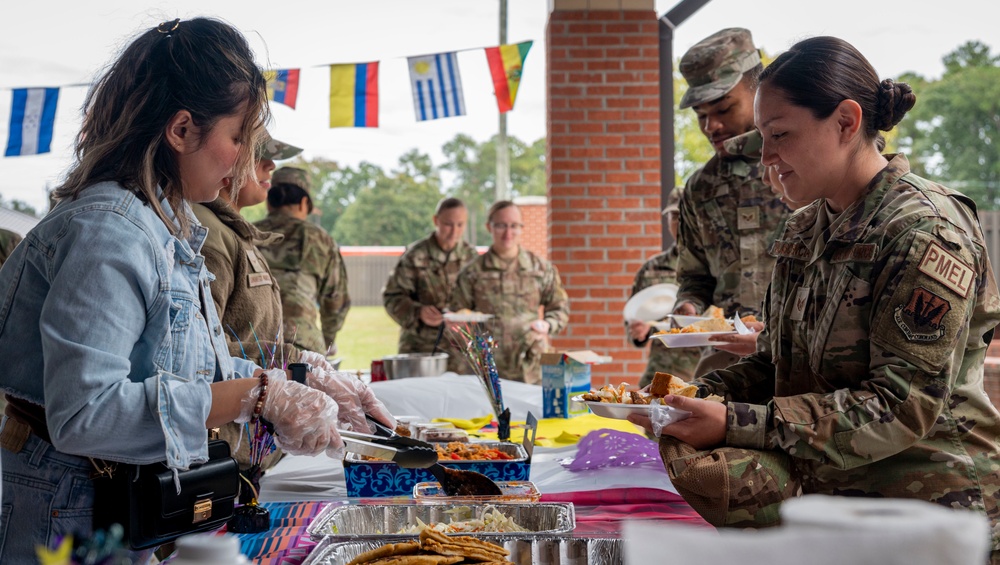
(453,396)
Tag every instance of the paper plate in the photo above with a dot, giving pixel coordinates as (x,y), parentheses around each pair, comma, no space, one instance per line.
(467,317)
(619,411)
(680,321)
(694,339)
(652,303)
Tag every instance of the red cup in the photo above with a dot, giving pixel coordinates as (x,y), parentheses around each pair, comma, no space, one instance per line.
(378,370)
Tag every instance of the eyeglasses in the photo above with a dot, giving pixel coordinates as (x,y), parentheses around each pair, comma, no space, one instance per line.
(504,227)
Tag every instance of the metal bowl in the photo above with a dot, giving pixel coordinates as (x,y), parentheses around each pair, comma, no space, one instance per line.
(406,365)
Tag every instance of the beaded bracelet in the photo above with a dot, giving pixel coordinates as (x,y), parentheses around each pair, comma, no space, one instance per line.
(259,406)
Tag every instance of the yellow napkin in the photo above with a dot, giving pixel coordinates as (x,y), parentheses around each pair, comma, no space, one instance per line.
(473,424)
(552,432)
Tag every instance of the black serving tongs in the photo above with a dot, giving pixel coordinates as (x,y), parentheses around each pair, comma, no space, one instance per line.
(386,444)
(453,482)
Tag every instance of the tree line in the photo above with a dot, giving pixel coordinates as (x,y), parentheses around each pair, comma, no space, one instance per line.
(952,135)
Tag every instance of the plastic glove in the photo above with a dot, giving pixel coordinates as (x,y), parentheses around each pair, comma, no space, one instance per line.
(305,420)
(353,397)
(317,360)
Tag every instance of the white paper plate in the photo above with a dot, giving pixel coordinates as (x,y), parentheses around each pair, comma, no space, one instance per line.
(651,303)
(621,411)
(470,317)
(682,321)
(694,339)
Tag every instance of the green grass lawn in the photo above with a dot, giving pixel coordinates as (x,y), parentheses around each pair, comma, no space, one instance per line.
(368,333)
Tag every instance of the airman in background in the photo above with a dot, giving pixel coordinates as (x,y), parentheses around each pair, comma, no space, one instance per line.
(306,264)
(728,216)
(659,269)
(513,284)
(417,292)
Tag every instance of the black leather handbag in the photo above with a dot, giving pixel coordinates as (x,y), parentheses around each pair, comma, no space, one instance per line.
(144,498)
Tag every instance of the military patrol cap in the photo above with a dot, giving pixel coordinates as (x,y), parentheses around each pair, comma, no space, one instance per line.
(673,201)
(749,144)
(714,65)
(275,150)
(292,175)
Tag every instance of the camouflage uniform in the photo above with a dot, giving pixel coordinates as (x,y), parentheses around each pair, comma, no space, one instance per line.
(868,379)
(312,278)
(424,276)
(729,217)
(662,268)
(247,299)
(514,293)
(8,241)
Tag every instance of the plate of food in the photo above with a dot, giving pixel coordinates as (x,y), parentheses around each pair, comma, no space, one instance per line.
(619,402)
(466,315)
(677,321)
(693,339)
(699,334)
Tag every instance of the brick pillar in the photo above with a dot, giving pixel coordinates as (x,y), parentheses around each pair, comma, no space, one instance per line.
(535,213)
(604,167)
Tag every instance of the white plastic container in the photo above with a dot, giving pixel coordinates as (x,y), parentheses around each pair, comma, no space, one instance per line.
(209,549)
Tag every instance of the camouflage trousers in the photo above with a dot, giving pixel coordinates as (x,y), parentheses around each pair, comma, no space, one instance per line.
(729,486)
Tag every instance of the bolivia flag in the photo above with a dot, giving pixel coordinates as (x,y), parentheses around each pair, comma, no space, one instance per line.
(354,95)
(283,86)
(506,62)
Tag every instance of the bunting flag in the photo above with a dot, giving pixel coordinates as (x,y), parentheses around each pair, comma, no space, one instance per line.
(354,95)
(32,117)
(506,62)
(283,86)
(437,86)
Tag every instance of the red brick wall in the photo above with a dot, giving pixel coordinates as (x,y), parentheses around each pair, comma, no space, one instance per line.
(604,170)
(534,213)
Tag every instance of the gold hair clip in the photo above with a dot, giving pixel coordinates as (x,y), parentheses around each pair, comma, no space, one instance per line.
(168,27)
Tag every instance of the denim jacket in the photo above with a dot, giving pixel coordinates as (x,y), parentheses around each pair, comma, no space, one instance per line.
(103,322)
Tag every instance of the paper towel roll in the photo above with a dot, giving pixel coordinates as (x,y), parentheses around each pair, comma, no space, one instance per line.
(826,530)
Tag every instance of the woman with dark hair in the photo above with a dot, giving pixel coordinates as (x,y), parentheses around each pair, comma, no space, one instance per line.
(868,378)
(112,345)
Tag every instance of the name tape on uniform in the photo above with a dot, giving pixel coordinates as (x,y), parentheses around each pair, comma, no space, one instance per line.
(947,269)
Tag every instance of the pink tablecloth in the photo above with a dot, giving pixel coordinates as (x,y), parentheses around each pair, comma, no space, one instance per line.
(598,513)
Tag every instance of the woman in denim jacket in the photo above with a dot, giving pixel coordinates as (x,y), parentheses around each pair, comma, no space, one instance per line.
(112,345)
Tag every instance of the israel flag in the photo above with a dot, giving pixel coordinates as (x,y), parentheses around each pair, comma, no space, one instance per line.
(437,86)
(32,116)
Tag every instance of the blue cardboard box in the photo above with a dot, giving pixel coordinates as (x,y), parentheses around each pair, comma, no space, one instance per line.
(376,478)
(565,375)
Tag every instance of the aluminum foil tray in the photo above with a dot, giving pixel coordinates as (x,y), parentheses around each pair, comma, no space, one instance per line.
(354,521)
(542,550)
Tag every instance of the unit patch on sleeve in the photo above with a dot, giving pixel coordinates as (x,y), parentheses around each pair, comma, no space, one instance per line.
(947,269)
(922,317)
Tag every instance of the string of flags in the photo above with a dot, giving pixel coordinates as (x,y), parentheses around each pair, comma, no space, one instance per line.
(354,94)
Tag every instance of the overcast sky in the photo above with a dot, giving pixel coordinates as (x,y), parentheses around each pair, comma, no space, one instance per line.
(57,44)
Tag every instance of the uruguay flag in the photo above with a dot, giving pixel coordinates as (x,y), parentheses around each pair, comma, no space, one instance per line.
(32,116)
(437,86)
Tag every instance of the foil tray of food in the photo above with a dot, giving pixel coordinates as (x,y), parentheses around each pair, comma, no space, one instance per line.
(520,550)
(403,521)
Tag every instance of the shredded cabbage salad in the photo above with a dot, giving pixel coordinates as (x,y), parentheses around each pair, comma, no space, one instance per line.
(491,520)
